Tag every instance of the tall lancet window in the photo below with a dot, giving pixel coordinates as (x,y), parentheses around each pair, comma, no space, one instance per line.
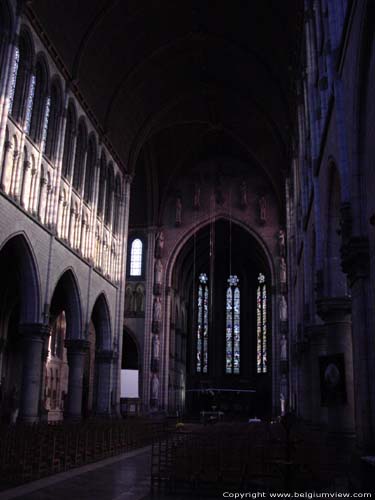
(261,324)
(14,78)
(202,325)
(233,329)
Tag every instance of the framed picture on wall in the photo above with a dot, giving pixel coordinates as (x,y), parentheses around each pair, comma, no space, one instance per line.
(332,379)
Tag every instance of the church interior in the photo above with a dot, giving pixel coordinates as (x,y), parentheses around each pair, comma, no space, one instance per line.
(187,242)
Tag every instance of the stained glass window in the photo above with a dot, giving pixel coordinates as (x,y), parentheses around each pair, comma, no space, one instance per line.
(232,333)
(30,103)
(202,325)
(14,78)
(136,258)
(45,125)
(261,324)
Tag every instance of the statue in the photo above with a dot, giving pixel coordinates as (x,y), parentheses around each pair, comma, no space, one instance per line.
(282,270)
(283,348)
(155,384)
(281,237)
(155,347)
(243,194)
(178,211)
(197,197)
(159,244)
(128,299)
(283,393)
(262,206)
(158,272)
(283,309)
(157,309)
(139,299)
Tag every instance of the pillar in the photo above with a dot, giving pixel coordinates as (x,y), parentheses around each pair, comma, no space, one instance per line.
(33,336)
(103,367)
(355,256)
(76,353)
(336,313)
(318,347)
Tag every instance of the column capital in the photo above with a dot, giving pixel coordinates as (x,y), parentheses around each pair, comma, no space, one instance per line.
(332,309)
(77,345)
(355,258)
(34,331)
(105,355)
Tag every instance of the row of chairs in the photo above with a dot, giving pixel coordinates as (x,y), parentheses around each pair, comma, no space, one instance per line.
(259,457)
(30,452)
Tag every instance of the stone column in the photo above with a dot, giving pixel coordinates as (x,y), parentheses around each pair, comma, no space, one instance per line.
(34,336)
(355,256)
(103,367)
(318,347)
(336,313)
(77,349)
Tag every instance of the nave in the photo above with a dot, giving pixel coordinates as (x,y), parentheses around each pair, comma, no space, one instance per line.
(192,459)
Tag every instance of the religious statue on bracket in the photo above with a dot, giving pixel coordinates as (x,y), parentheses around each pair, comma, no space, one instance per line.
(262,210)
(281,238)
(155,353)
(158,276)
(283,309)
(197,196)
(178,219)
(139,296)
(243,194)
(159,244)
(154,390)
(283,348)
(156,315)
(282,271)
(283,394)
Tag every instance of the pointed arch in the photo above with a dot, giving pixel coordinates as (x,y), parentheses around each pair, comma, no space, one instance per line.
(101,319)
(90,169)
(22,77)
(70,131)
(66,297)
(109,194)
(102,184)
(17,253)
(38,106)
(81,147)
(53,120)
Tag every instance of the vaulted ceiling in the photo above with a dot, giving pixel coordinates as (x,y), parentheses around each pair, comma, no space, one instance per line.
(173,74)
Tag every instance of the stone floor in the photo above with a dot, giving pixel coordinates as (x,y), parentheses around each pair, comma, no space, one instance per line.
(126,477)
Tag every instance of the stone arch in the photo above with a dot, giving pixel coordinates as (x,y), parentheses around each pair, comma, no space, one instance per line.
(101,318)
(52,136)
(18,249)
(66,296)
(26,63)
(204,222)
(135,362)
(40,97)
(268,381)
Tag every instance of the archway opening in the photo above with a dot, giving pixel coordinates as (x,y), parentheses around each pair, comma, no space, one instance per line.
(221,357)
(96,378)
(19,303)
(64,323)
(129,368)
